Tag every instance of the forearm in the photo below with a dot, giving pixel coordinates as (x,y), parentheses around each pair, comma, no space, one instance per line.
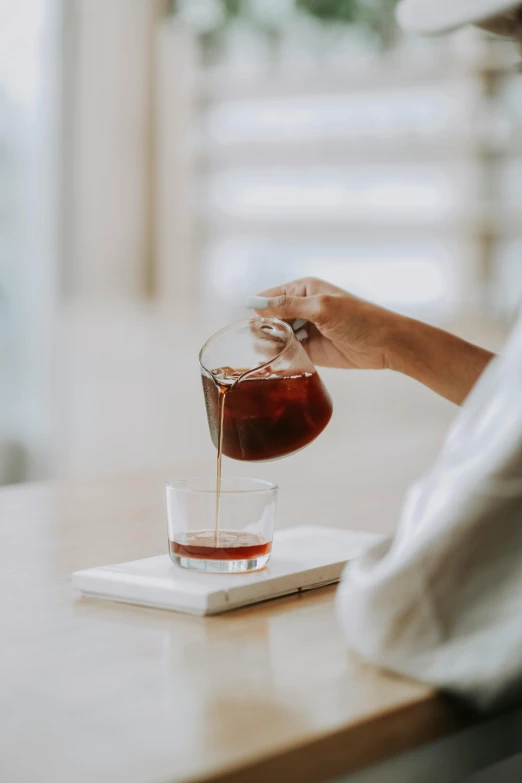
(440,360)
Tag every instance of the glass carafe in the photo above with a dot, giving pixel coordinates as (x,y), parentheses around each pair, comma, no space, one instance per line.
(260,383)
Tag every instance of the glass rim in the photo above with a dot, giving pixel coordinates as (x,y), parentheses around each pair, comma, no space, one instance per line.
(243,322)
(262,486)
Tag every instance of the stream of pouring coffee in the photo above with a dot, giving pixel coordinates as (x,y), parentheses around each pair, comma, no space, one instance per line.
(224,379)
(221,413)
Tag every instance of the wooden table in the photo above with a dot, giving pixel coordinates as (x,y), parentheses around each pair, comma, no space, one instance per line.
(99,691)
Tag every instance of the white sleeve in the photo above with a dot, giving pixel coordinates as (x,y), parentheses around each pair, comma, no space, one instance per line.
(442,601)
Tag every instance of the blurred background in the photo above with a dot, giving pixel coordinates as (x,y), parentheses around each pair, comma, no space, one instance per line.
(161,160)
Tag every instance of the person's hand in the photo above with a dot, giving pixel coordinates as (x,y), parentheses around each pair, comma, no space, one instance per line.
(343,331)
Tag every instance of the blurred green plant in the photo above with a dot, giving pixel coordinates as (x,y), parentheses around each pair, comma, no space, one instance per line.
(377,16)
(213,18)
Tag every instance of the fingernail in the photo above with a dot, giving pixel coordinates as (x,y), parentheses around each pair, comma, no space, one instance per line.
(301,335)
(298,324)
(257,302)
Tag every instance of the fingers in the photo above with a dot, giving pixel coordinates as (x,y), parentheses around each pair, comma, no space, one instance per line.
(297,302)
(261,304)
(285,307)
(295,288)
(306,286)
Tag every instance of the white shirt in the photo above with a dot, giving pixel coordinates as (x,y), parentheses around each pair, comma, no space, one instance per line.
(442,601)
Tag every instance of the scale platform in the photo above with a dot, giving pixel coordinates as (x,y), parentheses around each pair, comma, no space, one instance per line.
(302,558)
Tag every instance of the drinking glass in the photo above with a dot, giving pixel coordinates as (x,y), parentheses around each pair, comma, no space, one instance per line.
(222,526)
(262,390)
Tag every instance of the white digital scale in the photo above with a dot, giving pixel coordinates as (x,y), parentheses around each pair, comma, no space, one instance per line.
(302,558)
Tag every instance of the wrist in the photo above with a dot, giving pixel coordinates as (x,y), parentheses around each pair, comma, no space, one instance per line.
(440,360)
(398,342)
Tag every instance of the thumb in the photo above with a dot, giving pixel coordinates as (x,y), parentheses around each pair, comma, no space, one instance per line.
(284,307)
